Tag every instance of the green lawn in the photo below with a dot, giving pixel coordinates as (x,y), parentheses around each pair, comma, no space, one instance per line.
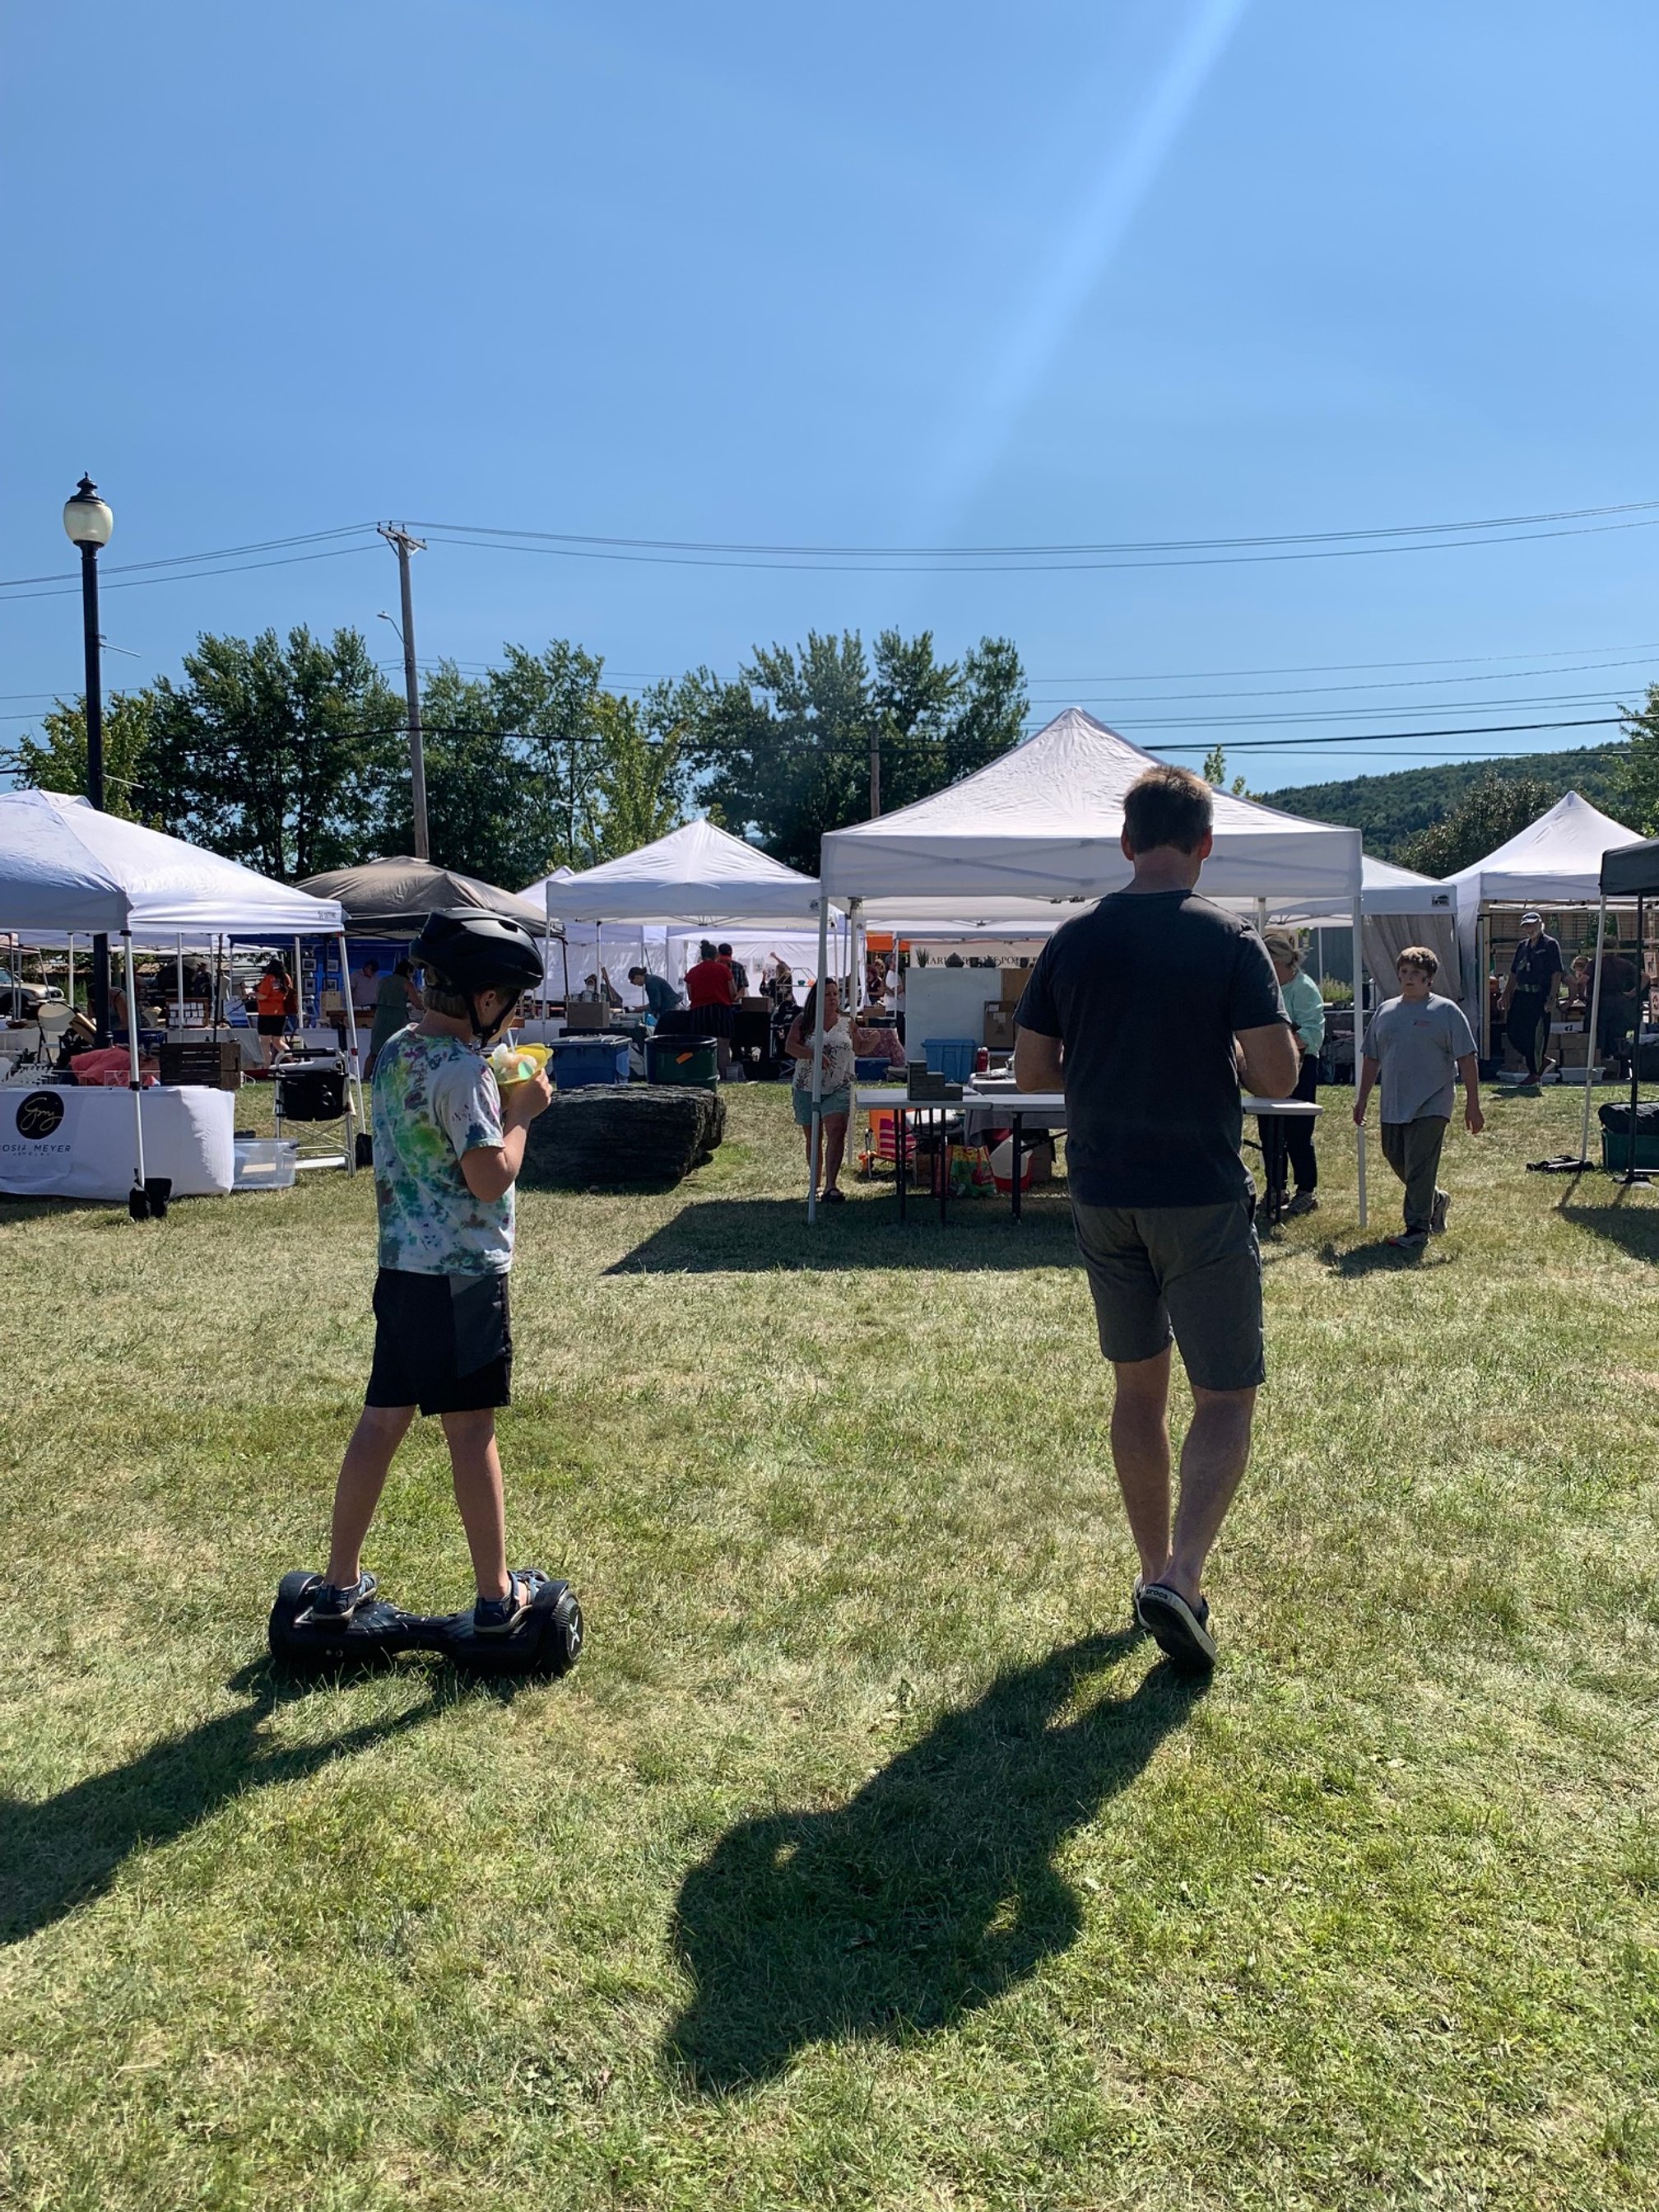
(864,1861)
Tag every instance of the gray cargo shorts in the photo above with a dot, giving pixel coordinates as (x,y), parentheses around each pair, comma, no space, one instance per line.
(1189,1272)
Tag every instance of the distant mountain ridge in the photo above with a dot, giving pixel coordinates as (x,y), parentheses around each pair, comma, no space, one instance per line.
(1386,809)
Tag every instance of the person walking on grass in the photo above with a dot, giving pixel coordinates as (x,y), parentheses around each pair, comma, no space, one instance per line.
(1415,1043)
(447,1151)
(1161,1201)
(1530,995)
(1304,1009)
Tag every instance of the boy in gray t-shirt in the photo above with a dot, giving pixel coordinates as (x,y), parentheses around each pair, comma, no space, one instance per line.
(1414,1042)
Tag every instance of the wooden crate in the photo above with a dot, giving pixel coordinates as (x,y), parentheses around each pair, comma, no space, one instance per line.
(204,1063)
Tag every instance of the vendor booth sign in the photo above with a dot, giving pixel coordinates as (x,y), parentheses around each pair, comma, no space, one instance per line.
(36,1153)
(64,1143)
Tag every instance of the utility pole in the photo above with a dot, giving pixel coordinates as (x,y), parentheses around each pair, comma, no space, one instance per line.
(875,769)
(403,545)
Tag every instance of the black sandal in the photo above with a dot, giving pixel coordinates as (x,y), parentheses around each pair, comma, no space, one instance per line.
(499,1616)
(1181,1632)
(331,1604)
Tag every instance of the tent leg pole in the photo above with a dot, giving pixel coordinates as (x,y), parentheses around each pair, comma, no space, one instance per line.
(179,967)
(135,1079)
(817,1063)
(1358,1033)
(1590,1053)
(354,1063)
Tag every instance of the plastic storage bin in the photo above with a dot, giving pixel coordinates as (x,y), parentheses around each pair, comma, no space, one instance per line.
(581,1063)
(682,1059)
(950,1057)
(1615,1149)
(876,1070)
(264,1163)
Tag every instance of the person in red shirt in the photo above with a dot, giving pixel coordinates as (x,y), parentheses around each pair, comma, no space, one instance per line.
(712,994)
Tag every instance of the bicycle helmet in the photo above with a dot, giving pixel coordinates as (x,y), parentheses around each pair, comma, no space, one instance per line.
(470,950)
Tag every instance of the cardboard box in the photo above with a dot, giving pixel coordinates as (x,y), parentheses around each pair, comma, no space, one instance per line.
(1571,1047)
(998,1026)
(587,1015)
(1014,981)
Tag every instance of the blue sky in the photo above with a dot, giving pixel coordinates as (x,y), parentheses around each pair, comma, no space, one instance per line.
(1140,270)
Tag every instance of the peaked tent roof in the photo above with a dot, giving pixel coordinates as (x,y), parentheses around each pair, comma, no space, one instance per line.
(697,874)
(64,865)
(1384,889)
(392,898)
(1556,860)
(1044,820)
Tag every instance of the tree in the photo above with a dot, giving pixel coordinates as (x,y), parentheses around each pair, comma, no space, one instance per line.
(279,754)
(1636,794)
(1486,817)
(543,702)
(56,760)
(641,774)
(784,748)
(1215,774)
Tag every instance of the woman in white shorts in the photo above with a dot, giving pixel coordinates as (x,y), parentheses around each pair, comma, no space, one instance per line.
(837,1102)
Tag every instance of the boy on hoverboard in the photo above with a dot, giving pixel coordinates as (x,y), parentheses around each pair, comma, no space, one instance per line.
(448,1148)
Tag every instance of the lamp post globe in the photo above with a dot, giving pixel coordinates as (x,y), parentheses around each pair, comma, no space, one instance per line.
(89,521)
(87,517)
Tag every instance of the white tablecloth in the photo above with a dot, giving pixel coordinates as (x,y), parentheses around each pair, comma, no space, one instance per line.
(56,1142)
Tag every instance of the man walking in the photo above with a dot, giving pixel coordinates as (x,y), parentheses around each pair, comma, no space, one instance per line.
(1160,1197)
(1530,995)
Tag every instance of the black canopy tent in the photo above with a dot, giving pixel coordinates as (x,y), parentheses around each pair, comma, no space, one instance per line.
(1628,872)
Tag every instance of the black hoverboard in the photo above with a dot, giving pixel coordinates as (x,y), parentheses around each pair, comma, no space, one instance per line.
(547,1641)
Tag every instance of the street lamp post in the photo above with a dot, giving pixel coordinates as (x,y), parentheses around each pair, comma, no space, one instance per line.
(90,522)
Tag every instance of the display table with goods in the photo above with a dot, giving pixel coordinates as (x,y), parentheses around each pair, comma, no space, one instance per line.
(71,1141)
(964,1115)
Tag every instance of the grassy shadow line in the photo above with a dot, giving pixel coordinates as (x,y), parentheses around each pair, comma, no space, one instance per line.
(60,1853)
(927,1895)
(763,1235)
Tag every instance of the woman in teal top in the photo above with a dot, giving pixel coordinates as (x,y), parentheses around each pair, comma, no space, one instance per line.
(1305,1011)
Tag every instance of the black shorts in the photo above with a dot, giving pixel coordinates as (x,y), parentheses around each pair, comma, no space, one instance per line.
(1189,1272)
(441,1342)
(269,1024)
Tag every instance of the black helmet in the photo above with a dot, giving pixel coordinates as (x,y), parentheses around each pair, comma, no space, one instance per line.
(472,951)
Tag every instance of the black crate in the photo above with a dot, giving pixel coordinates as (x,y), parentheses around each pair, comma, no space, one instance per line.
(209,1064)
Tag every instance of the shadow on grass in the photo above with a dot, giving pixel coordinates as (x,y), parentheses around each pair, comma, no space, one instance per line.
(1373,1259)
(1628,1220)
(925,1897)
(60,1853)
(757,1236)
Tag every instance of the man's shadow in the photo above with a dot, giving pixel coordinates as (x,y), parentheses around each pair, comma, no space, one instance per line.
(925,1896)
(58,1854)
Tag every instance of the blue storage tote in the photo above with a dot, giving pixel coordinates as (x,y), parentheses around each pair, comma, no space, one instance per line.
(874,1070)
(581,1063)
(950,1057)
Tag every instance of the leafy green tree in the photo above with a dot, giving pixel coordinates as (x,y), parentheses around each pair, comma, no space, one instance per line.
(1485,818)
(1636,794)
(786,749)
(279,753)
(1215,775)
(56,759)
(543,702)
(641,774)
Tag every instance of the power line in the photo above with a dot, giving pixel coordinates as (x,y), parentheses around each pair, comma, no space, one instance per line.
(970,552)
(786,565)
(188,575)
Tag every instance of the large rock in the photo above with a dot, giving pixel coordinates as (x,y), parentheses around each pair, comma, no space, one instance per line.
(642,1134)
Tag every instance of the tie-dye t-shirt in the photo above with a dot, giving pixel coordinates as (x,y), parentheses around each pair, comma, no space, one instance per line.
(435,1098)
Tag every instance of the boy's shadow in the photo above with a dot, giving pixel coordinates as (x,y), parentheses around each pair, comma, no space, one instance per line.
(927,1895)
(56,1854)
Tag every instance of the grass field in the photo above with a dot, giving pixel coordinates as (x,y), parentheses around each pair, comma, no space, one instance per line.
(864,1861)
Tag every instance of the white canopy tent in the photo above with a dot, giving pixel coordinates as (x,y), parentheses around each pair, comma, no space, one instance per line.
(1044,822)
(1397,908)
(67,869)
(1554,862)
(697,881)
(697,875)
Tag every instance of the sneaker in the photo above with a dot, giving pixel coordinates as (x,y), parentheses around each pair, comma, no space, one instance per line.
(1408,1240)
(1437,1215)
(832,1197)
(1303,1202)
(330,1603)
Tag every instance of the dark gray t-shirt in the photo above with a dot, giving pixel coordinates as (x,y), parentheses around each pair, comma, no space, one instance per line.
(1146,991)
